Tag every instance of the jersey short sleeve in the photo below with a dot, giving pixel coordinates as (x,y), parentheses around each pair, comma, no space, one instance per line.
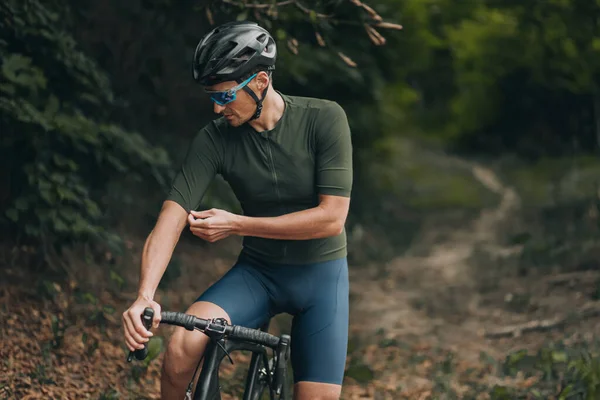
(202,162)
(333,152)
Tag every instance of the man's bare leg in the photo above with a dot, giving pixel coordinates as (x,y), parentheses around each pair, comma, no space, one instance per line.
(317,391)
(184,351)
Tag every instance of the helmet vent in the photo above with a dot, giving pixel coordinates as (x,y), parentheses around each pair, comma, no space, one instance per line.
(245,54)
(269,49)
(226,49)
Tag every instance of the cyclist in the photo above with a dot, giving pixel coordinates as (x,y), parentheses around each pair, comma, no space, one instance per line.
(288,160)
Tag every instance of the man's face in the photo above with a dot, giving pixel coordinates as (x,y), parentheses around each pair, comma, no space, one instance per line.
(243,107)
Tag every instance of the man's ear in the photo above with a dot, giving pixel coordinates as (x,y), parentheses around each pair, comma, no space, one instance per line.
(262,80)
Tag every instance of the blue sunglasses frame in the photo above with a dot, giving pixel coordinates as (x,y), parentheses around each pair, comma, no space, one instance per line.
(222,97)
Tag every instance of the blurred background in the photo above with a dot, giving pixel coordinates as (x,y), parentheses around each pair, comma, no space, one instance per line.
(473,231)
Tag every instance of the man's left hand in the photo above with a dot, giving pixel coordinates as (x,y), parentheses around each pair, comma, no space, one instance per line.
(212,225)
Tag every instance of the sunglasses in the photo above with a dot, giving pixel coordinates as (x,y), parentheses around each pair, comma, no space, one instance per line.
(227,96)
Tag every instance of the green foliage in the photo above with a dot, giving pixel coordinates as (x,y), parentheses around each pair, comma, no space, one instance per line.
(554,181)
(524,76)
(426,180)
(43,368)
(109,394)
(559,220)
(155,347)
(565,372)
(583,377)
(59,148)
(360,372)
(596,293)
(502,393)
(479,45)
(58,331)
(90,345)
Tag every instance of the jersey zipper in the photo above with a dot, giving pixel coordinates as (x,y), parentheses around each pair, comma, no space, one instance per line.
(274,173)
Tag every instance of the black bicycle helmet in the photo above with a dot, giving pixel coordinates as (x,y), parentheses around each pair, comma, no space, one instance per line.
(231,51)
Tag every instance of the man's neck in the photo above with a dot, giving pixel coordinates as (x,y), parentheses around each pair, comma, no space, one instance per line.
(273,107)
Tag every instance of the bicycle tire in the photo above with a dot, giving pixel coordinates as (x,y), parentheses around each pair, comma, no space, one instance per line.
(260,383)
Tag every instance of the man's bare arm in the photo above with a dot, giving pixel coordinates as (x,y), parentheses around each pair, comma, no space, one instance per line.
(327,219)
(159,247)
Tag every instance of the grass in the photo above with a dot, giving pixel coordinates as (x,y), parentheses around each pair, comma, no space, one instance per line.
(428,180)
(550,182)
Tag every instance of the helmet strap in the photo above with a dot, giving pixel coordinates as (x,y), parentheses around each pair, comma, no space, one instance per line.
(259,105)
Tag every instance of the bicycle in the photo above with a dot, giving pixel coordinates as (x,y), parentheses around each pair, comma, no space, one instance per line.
(263,373)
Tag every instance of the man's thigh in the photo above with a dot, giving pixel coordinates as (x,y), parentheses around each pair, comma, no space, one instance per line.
(320,332)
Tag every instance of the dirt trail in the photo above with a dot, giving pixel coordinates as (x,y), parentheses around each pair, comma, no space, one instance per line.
(431,299)
(449,260)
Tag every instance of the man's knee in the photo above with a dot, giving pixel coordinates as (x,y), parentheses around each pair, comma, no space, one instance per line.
(185,347)
(179,364)
(316,391)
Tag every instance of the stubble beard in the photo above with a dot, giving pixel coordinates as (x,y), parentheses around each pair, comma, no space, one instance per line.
(236,121)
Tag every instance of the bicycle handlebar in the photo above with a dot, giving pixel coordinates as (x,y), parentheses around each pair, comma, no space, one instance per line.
(191,322)
(216,327)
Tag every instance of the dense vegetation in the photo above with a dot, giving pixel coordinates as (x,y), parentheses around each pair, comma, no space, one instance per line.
(87,89)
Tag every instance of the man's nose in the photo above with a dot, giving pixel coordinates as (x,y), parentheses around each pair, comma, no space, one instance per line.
(218,108)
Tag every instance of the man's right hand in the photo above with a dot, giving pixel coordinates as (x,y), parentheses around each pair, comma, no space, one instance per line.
(135,332)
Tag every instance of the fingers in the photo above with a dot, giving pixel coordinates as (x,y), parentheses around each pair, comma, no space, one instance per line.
(210,235)
(132,338)
(203,214)
(203,232)
(215,237)
(131,343)
(139,330)
(191,220)
(157,309)
(199,223)
(220,236)
(135,332)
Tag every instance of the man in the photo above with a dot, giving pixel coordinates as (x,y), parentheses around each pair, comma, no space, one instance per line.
(289,162)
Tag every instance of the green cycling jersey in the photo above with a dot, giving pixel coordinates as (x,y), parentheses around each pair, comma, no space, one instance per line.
(275,172)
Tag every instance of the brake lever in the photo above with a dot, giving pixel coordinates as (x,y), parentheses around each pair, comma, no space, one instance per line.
(281,366)
(141,354)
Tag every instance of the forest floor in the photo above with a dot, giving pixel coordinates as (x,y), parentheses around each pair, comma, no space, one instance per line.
(439,322)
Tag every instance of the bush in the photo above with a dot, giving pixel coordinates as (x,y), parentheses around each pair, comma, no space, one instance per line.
(59,148)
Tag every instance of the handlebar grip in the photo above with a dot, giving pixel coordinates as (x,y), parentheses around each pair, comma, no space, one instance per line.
(141,354)
(253,335)
(186,321)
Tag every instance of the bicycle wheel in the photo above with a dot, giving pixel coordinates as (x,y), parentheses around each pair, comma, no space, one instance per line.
(261,381)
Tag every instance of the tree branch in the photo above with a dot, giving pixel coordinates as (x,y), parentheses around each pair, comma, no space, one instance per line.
(573,278)
(269,10)
(368,9)
(591,310)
